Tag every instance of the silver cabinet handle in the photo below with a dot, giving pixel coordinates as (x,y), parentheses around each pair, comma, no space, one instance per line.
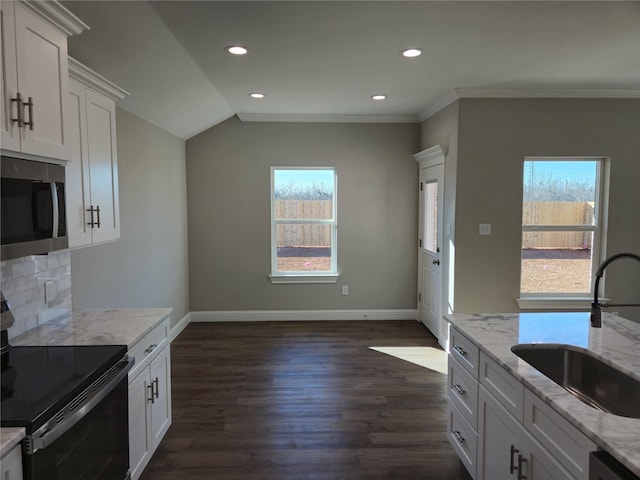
(460,350)
(151,348)
(18,100)
(459,437)
(512,454)
(521,460)
(29,105)
(460,390)
(151,397)
(91,210)
(156,389)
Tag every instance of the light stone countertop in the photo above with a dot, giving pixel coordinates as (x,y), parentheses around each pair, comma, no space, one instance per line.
(122,326)
(617,343)
(119,326)
(10,437)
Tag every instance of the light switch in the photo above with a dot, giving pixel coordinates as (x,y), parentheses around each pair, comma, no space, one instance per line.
(485,229)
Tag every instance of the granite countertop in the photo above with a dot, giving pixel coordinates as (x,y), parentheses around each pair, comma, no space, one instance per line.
(122,326)
(617,343)
(9,437)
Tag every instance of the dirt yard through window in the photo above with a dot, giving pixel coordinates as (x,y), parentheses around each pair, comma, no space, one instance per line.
(551,270)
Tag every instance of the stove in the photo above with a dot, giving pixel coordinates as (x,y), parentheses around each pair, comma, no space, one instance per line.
(38,381)
(73,403)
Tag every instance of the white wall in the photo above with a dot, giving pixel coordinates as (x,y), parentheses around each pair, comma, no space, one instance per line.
(494,136)
(147,267)
(228,178)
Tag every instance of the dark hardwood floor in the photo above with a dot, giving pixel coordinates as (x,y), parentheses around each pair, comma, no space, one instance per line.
(304,400)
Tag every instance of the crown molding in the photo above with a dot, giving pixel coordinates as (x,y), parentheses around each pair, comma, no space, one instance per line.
(458,93)
(546,93)
(94,80)
(439,104)
(56,15)
(302,118)
(431,156)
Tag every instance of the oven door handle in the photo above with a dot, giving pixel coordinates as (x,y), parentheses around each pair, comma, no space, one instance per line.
(45,436)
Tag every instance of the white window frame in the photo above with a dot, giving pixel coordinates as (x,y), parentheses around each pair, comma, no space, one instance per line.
(331,276)
(569,300)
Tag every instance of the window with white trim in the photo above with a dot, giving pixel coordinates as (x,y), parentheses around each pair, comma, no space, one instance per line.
(562,227)
(303,224)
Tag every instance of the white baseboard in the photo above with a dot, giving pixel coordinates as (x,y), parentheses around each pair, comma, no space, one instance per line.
(302,315)
(179,327)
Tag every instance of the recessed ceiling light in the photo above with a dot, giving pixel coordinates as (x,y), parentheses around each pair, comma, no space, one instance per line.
(256,95)
(378,97)
(237,50)
(411,52)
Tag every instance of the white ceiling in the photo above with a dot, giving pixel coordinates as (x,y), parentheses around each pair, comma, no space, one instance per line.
(322,60)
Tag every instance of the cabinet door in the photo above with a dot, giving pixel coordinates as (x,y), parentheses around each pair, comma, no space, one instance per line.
(540,464)
(12,464)
(8,78)
(43,74)
(140,443)
(78,190)
(160,370)
(103,165)
(499,434)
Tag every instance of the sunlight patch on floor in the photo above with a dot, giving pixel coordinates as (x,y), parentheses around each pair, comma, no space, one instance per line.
(428,357)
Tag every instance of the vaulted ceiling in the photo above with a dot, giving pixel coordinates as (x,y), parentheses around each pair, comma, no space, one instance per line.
(323,60)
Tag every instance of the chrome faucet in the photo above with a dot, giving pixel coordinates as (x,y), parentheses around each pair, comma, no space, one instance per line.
(596,307)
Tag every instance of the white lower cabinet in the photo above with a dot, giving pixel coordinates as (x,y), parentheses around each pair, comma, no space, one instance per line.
(149,397)
(507,451)
(11,468)
(505,431)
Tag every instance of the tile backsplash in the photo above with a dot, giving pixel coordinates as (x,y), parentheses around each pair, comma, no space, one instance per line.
(37,288)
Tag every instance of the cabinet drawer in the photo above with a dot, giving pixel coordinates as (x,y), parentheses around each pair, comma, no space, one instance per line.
(569,446)
(462,437)
(464,351)
(463,392)
(149,346)
(503,386)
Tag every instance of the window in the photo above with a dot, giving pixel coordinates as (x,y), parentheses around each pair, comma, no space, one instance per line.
(303,225)
(562,228)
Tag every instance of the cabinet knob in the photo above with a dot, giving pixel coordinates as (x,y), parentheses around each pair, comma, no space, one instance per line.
(29,105)
(456,433)
(459,389)
(521,461)
(460,350)
(512,454)
(18,100)
(151,398)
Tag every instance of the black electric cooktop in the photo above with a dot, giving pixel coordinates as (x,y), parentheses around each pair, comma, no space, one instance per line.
(37,381)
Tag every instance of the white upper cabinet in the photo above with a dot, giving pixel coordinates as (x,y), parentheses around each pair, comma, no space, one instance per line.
(93,214)
(35,112)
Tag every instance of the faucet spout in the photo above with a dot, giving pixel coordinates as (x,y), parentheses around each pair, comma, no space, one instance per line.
(596,306)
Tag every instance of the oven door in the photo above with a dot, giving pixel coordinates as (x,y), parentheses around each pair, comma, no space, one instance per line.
(94,447)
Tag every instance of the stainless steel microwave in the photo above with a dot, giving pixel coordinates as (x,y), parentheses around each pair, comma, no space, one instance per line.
(33,208)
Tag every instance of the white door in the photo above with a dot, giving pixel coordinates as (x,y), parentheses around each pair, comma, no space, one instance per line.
(430,249)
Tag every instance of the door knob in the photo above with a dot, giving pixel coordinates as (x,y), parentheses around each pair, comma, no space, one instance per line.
(436,262)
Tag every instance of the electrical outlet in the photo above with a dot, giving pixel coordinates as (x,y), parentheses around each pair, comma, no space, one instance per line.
(345,289)
(484,229)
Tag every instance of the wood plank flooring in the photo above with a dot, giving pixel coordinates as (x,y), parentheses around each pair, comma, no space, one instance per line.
(304,401)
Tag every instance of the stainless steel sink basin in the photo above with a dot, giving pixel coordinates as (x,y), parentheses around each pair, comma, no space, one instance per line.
(589,379)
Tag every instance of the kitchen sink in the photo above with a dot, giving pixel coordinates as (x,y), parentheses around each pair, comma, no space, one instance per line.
(589,379)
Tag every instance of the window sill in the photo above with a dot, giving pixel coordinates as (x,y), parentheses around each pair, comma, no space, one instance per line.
(555,303)
(315,278)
